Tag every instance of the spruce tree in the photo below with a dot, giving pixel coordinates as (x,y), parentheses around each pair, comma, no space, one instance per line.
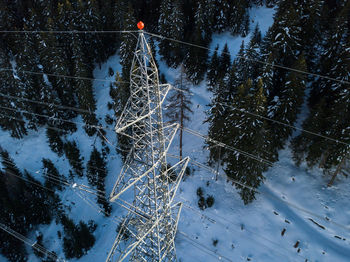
(217,115)
(224,62)
(10,119)
(196,59)
(96,174)
(329,104)
(171,25)
(54,140)
(250,134)
(55,179)
(286,106)
(73,155)
(213,72)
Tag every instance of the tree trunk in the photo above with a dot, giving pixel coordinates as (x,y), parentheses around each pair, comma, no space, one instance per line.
(336,172)
(217,167)
(323,159)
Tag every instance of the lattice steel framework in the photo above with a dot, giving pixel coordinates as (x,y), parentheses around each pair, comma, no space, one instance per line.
(148,231)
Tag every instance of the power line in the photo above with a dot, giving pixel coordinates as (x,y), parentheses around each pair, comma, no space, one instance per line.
(189,239)
(45,103)
(102,211)
(31,243)
(200,165)
(254,157)
(284,124)
(66,32)
(252,60)
(54,118)
(78,186)
(61,76)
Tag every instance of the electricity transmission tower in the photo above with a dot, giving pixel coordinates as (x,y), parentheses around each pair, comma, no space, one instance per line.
(147,232)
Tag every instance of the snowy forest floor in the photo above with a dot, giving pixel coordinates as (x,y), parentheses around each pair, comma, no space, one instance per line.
(252,232)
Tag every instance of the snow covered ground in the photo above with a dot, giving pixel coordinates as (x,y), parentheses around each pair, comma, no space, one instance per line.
(241,233)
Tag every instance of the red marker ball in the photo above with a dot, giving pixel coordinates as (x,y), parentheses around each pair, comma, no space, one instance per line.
(140,25)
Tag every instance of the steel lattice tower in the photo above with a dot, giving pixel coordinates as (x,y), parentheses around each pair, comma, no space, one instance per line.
(148,231)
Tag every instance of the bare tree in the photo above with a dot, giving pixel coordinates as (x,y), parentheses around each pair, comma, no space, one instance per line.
(179,106)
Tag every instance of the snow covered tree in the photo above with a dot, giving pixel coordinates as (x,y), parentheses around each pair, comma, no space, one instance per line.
(78,238)
(10,119)
(249,134)
(73,155)
(55,60)
(179,106)
(213,73)
(84,90)
(96,174)
(224,62)
(286,106)
(196,59)
(128,42)
(55,142)
(217,117)
(171,25)
(330,103)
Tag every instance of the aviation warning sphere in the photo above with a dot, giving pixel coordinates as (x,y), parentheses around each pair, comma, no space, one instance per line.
(140,25)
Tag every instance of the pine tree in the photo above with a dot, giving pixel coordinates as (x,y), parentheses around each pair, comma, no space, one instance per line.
(217,117)
(224,63)
(73,155)
(179,106)
(249,134)
(10,119)
(286,106)
(33,86)
(128,43)
(171,25)
(78,239)
(51,171)
(84,90)
(213,73)
(329,104)
(196,59)
(55,142)
(96,174)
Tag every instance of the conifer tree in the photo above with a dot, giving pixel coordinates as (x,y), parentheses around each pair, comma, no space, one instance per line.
(55,61)
(171,25)
(329,104)
(10,119)
(51,171)
(84,90)
(78,239)
(179,106)
(286,106)
(217,117)
(196,59)
(55,142)
(96,174)
(213,72)
(73,155)
(249,134)
(224,62)
(128,42)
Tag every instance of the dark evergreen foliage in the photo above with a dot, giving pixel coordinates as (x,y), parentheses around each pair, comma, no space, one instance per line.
(96,174)
(53,179)
(55,142)
(73,155)
(78,238)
